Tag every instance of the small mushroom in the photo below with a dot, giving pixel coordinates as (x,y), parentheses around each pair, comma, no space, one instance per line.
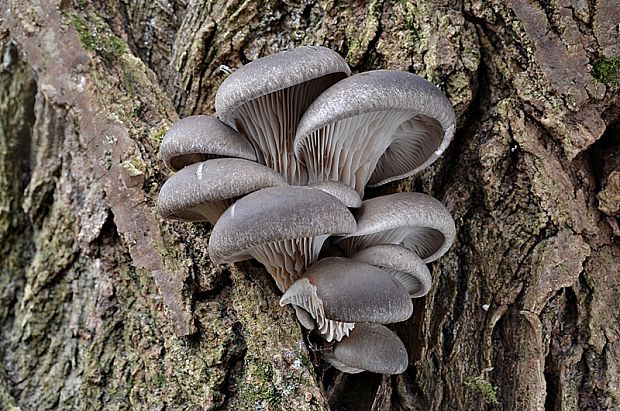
(415,221)
(348,291)
(404,265)
(202,191)
(369,347)
(199,138)
(282,227)
(374,127)
(265,99)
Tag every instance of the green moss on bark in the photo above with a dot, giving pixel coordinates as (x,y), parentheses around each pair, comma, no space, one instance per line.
(95,35)
(607,70)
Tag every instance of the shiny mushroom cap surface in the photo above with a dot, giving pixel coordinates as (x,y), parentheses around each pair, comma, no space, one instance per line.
(370,347)
(344,290)
(276,72)
(342,192)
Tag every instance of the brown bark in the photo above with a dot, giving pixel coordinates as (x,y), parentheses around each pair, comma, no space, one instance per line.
(103,305)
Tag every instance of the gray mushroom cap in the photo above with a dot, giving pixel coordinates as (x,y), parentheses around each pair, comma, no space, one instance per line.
(265,99)
(349,291)
(404,265)
(374,127)
(276,72)
(200,191)
(370,347)
(276,214)
(415,221)
(199,138)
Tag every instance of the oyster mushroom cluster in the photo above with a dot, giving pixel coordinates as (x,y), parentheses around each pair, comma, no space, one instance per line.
(280,173)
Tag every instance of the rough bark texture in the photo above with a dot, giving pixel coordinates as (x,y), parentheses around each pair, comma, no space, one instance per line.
(105,306)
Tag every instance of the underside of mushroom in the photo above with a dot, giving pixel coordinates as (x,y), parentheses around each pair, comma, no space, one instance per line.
(415,221)
(265,100)
(376,126)
(269,123)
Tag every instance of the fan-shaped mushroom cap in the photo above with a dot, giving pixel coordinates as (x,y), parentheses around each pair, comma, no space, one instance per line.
(348,291)
(199,138)
(370,347)
(202,191)
(374,127)
(415,221)
(265,99)
(342,192)
(282,227)
(404,265)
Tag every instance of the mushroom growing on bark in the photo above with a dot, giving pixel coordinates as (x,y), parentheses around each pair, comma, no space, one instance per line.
(369,347)
(199,138)
(203,191)
(374,127)
(265,99)
(282,227)
(415,221)
(404,265)
(348,291)
(297,118)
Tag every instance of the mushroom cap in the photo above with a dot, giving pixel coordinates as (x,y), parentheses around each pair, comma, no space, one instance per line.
(265,99)
(276,214)
(276,72)
(405,265)
(342,192)
(350,291)
(384,124)
(199,138)
(192,192)
(415,221)
(374,348)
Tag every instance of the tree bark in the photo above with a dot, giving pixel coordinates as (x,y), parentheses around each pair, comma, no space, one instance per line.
(103,305)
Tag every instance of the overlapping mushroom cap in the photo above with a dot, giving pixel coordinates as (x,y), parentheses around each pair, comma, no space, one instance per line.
(404,265)
(282,227)
(199,138)
(348,291)
(374,127)
(341,191)
(265,99)
(416,221)
(370,347)
(203,191)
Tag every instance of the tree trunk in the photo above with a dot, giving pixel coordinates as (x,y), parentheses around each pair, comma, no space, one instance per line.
(103,305)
